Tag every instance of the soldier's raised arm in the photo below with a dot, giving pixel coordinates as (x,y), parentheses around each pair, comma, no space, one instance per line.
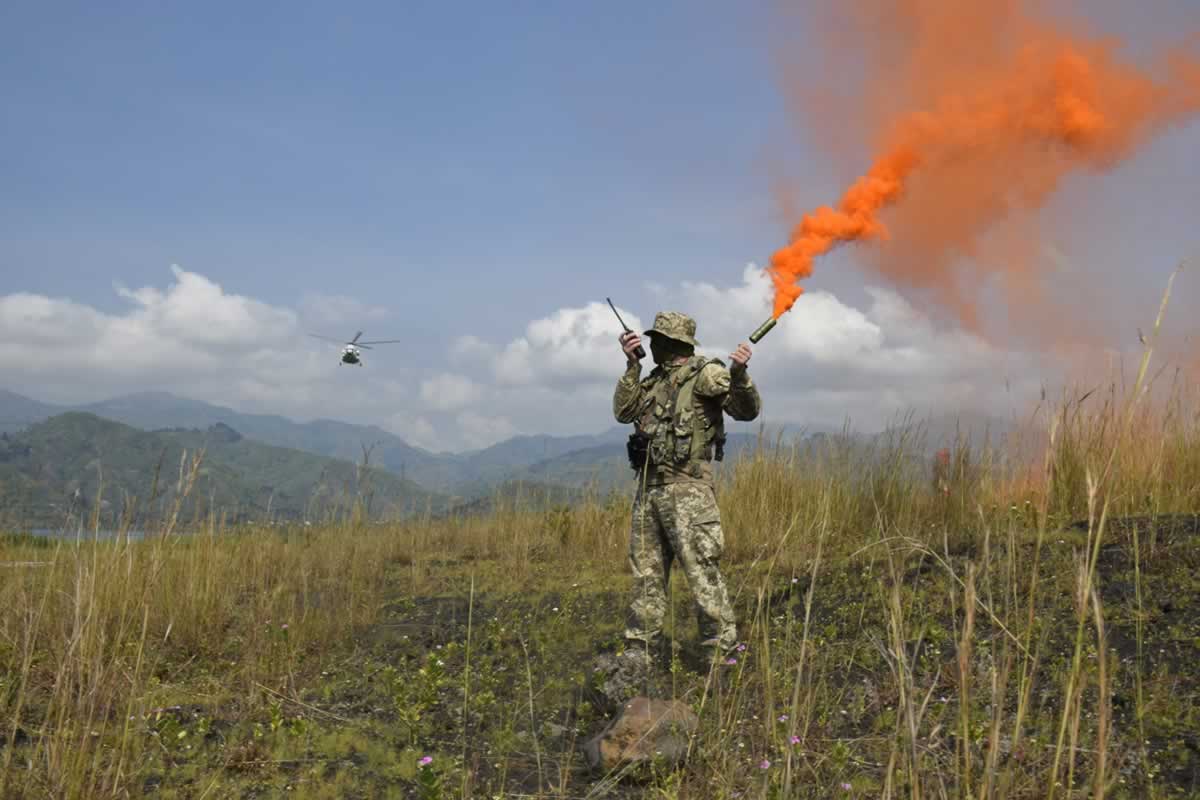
(743,402)
(628,394)
(740,398)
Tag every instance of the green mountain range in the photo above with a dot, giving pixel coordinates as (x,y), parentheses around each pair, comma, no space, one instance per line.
(259,464)
(456,473)
(57,470)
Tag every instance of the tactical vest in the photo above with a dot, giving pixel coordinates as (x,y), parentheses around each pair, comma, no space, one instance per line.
(682,430)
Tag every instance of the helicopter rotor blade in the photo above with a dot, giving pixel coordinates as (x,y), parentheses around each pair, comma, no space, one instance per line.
(355,339)
(326,338)
(383,341)
(363,346)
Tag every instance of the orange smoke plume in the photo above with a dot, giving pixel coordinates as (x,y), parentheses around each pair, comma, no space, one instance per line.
(1001,122)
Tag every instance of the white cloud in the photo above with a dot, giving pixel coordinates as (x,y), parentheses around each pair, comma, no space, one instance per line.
(195,339)
(192,327)
(472,350)
(480,430)
(191,338)
(569,347)
(339,310)
(448,392)
(819,327)
(417,431)
(825,360)
(197,312)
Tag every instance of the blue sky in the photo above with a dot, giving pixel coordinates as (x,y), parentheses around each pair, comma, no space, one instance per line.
(403,152)
(450,173)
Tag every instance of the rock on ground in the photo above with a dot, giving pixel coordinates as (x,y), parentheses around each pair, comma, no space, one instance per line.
(646,731)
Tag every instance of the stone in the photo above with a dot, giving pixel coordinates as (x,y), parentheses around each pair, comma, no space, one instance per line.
(646,732)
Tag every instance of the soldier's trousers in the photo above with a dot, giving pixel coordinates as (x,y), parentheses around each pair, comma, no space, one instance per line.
(678,521)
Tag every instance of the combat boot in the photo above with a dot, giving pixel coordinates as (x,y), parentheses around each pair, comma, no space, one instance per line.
(722,655)
(636,661)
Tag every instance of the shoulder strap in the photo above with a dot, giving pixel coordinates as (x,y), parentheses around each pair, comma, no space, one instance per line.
(652,377)
(686,387)
(701,438)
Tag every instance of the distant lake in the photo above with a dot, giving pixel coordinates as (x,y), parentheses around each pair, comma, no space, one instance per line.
(90,534)
(58,533)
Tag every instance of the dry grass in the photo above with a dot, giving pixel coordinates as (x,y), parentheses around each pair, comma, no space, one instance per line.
(902,640)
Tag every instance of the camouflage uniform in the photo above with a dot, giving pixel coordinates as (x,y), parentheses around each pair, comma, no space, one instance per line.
(679,408)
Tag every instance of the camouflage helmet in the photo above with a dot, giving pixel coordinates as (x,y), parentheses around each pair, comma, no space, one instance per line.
(674,325)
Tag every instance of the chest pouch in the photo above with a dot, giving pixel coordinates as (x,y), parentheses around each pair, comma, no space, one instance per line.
(682,431)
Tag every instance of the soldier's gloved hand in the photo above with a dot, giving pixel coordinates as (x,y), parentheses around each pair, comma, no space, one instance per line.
(739,357)
(630,342)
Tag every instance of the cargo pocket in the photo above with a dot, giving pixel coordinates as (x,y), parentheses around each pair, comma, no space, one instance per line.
(706,438)
(682,445)
(708,535)
(683,437)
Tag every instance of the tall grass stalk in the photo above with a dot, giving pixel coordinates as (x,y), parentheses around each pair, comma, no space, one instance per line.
(1099,496)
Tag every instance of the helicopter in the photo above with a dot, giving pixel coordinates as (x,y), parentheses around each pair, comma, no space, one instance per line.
(352,350)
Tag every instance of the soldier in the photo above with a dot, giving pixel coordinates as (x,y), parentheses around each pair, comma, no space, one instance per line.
(941,472)
(677,411)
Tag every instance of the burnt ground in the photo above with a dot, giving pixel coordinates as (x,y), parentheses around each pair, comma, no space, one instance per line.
(497,686)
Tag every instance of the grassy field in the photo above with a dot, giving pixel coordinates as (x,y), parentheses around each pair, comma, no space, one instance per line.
(1029,628)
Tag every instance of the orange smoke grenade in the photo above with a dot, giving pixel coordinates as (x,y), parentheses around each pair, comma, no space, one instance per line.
(983,138)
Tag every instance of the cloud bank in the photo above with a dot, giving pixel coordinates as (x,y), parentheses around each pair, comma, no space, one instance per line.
(826,361)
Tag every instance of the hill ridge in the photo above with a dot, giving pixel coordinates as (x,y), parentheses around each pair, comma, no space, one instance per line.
(77,456)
